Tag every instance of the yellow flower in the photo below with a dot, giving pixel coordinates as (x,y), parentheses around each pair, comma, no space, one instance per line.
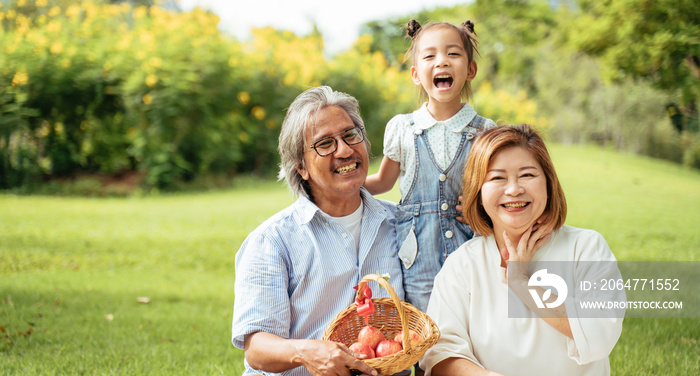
(364,43)
(54,26)
(56,48)
(22,23)
(124,43)
(244,97)
(43,131)
(20,79)
(156,62)
(147,99)
(151,80)
(73,11)
(41,3)
(290,78)
(90,9)
(55,11)
(140,12)
(258,112)
(244,137)
(146,37)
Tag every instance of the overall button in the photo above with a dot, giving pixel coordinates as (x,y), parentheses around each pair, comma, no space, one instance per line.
(443,177)
(444,206)
(449,234)
(344,235)
(419,132)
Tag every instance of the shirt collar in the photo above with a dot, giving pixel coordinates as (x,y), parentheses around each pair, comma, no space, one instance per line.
(456,123)
(307,210)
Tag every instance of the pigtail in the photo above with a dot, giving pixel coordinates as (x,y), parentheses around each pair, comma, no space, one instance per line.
(468,29)
(468,25)
(412,29)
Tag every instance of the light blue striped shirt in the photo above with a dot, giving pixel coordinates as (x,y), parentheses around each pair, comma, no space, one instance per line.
(297,270)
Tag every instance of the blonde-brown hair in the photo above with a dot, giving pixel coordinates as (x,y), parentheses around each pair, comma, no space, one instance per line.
(466,32)
(485,148)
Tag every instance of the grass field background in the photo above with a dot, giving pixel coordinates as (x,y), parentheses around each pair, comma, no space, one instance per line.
(74,272)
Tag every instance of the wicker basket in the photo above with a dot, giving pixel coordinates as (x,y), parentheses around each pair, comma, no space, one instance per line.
(391,315)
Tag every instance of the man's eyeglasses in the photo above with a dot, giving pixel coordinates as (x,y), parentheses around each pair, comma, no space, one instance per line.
(328,145)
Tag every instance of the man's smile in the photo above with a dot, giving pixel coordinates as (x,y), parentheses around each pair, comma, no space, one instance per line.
(346,168)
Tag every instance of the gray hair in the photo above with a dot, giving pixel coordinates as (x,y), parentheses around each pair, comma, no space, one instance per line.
(292,141)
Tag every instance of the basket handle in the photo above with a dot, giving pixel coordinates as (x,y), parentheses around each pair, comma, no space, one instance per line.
(395,298)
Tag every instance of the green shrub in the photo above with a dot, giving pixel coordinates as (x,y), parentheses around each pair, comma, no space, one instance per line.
(102,88)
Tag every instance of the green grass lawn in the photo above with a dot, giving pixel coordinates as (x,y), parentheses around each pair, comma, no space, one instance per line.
(72,270)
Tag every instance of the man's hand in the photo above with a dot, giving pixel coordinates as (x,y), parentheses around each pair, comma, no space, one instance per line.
(323,358)
(271,353)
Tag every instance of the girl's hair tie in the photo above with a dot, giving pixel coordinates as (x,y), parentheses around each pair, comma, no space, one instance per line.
(469,25)
(412,28)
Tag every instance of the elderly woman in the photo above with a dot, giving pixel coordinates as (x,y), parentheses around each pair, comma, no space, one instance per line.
(511,186)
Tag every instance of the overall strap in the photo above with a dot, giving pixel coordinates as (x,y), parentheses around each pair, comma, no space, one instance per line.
(478,122)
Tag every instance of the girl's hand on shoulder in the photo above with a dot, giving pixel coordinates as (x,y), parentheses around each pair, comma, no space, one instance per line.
(459,208)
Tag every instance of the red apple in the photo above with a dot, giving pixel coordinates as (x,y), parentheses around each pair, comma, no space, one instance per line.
(388,347)
(370,336)
(365,351)
(412,336)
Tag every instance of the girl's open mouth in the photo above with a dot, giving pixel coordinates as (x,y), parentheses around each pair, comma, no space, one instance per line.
(443,81)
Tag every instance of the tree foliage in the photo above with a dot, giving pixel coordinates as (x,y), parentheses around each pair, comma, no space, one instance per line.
(656,41)
(96,87)
(105,86)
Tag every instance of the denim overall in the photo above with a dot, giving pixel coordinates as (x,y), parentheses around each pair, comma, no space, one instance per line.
(425,219)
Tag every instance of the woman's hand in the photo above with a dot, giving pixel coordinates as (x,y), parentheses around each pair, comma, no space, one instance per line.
(529,243)
(517,276)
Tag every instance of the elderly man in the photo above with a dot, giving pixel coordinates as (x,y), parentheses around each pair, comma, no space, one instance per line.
(297,270)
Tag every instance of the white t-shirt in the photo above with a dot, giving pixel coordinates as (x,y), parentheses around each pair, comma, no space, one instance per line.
(469,303)
(353,223)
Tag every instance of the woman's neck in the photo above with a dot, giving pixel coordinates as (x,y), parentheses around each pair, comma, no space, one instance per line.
(442,111)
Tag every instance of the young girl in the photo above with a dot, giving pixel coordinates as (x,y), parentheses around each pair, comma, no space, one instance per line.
(427,150)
